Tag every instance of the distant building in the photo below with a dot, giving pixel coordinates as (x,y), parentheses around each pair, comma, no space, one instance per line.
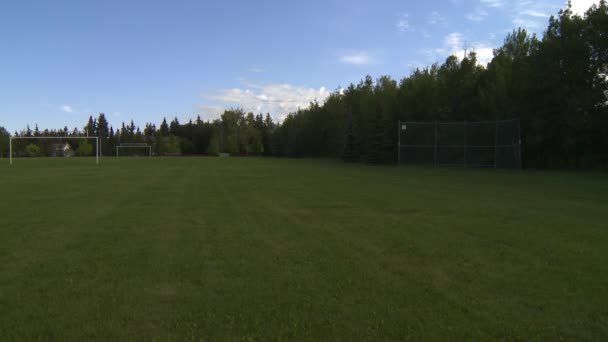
(61,150)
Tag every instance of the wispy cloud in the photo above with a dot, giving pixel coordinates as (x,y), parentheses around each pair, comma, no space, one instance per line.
(453,44)
(453,41)
(257,69)
(532,15)
(527,23)
(492,3)
(535,13)
(357,58)
(403,23)
(432,55)
(208,112)
(67,109)
(478,15)
(274,98)
(437,19)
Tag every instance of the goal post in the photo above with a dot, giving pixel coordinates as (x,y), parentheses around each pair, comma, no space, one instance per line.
(134,145)
(10,144)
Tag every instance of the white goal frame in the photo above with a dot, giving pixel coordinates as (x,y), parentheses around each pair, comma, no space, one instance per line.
(10,145)
(149,147)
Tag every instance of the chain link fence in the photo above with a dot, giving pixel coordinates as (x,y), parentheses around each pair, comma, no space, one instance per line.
(490,144)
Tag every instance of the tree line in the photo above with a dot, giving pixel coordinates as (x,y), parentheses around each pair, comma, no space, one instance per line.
(235,132)
(556,85)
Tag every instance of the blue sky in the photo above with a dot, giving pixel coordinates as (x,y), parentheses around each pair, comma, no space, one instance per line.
(62,61)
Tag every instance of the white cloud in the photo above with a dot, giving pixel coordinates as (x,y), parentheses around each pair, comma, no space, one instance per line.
(257,69)
(261,98)
(454,44)
(403,24)
(437,19)
(532,15)
(208,112)
(478,15)
(116,114)
(357,58)
(67,109)
(529,24)
(453,41)
(434,55)
(581,6)
(413,65)
(483,51)
(535,13)
(485,54)
(492,3)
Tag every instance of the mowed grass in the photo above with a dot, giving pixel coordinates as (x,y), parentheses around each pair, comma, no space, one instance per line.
(265,249)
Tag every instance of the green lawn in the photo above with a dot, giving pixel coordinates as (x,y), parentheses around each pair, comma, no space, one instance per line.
(264,249)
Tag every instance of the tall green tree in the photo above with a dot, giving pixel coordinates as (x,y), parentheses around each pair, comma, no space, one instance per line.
(164,128)
(103,133)
(4,142)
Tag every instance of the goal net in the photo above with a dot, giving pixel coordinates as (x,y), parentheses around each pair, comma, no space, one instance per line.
(133,150)
(45,146)
(491,144)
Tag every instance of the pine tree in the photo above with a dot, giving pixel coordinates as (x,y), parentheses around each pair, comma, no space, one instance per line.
(164,128)
(102,133)
(111,140)
(88,128)
(174,128)
(350,153)
(376,138)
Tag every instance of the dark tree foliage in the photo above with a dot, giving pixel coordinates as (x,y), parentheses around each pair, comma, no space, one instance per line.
(350,153)
(164,128)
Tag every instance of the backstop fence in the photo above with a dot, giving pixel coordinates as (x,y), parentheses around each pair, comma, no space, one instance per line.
(490,144)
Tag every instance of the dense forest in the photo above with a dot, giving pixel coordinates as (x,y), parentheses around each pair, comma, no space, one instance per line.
(556,85)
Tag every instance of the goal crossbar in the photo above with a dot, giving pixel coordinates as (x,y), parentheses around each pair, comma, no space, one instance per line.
(134,145)
(10,144)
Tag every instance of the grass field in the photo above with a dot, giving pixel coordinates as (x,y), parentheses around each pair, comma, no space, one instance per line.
(264,249)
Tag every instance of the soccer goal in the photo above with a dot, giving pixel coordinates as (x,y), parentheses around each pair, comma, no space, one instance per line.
(62,148)
(486,144)
(134,147)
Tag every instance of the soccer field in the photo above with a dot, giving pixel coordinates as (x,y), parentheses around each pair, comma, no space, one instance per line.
(264,249)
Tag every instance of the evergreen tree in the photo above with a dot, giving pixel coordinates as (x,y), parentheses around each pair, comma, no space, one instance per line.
(164,128)
(174,128)
(102,133)
(89,128)
(374,154)
(350,153)
(4,142)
